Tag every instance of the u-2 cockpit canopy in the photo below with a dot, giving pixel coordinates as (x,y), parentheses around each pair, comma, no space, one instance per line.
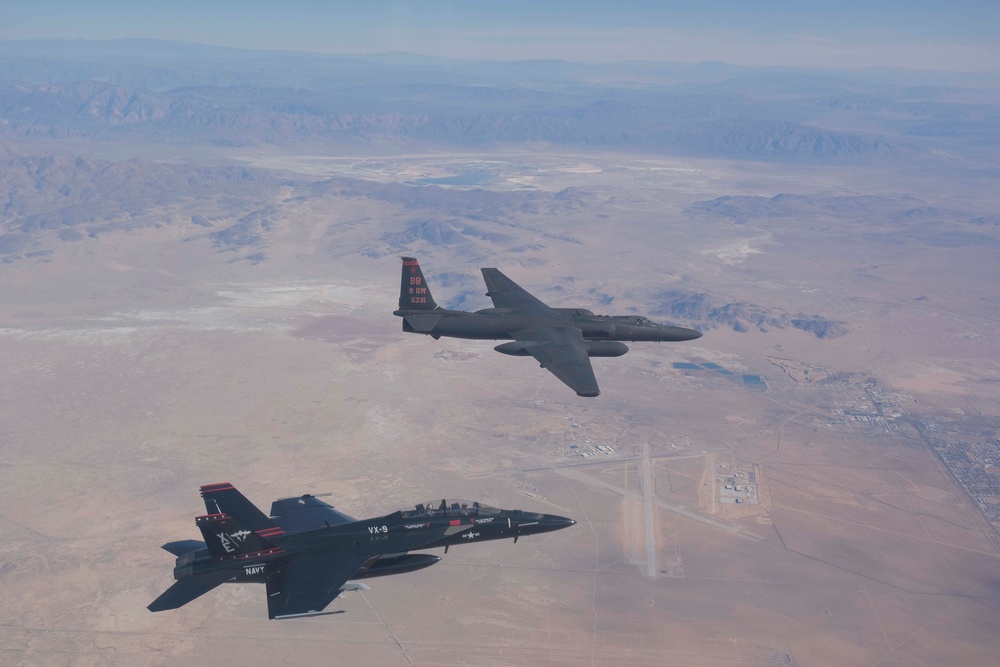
(637,320)
(445,507)
(641,321)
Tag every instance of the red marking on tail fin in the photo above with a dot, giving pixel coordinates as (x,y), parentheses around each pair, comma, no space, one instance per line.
(221,486)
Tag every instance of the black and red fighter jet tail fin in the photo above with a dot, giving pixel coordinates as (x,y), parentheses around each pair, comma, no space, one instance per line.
(234,527)
(224,498)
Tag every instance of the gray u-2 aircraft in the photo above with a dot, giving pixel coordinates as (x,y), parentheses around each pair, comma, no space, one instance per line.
(306,552)
(562,340)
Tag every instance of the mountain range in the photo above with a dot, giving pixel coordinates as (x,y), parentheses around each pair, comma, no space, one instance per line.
(164,92)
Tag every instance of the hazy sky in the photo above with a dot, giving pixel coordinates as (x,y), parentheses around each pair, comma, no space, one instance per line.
(960,35)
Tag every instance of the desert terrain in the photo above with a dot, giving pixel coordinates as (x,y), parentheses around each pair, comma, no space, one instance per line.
(813,482)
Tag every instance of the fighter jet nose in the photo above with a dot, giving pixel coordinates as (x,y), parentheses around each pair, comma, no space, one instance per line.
(558,522)
(695,335)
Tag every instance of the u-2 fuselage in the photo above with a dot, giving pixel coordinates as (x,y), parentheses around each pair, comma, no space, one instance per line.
(499,323)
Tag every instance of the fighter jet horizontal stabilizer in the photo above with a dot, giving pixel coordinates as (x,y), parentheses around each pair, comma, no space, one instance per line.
(182,547)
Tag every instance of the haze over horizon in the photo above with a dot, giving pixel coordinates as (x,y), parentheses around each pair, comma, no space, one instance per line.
(928,35)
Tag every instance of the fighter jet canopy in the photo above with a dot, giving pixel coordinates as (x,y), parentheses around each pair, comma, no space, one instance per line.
(456,508)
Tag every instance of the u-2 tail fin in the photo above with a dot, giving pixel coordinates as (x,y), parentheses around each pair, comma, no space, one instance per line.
(414,294)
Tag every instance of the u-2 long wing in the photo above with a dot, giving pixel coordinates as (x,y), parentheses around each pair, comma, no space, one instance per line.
(308,583)
(563,352)
(508,294)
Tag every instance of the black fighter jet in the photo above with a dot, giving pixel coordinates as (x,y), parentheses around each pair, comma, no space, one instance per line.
(306,552)
(561,339)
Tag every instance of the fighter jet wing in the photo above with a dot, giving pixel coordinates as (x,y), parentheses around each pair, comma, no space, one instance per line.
(563,352)
(305,513)
(308,583)
(508,294)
